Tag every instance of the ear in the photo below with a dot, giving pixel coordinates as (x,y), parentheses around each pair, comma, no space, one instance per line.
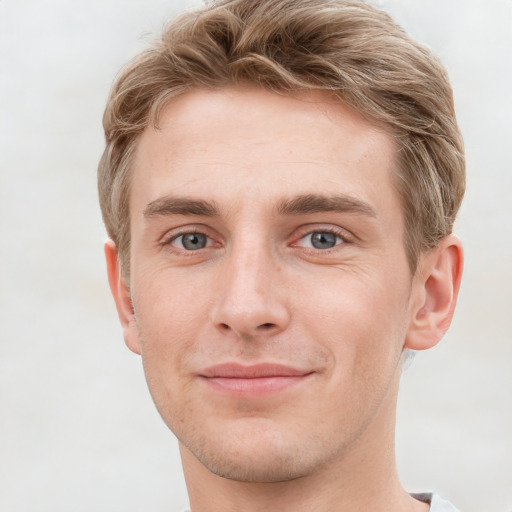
(435,290)
(122,297)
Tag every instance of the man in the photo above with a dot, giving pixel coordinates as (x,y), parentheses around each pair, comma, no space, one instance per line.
(279,186)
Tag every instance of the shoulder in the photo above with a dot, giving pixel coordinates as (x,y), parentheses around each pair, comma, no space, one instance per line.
(437,504)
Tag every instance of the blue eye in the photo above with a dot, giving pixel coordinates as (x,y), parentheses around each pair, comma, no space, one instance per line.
(322,240)
(191,241)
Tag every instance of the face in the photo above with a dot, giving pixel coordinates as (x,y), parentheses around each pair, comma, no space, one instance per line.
(269,279)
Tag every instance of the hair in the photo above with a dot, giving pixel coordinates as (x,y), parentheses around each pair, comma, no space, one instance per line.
(345,47)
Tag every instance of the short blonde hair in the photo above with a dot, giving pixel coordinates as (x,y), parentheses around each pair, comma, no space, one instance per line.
(346,47)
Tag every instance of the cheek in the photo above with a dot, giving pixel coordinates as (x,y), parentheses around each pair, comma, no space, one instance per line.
(360,318)
(168,317)
(169,308)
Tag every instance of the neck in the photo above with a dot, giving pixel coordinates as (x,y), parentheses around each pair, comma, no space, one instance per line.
(364,478)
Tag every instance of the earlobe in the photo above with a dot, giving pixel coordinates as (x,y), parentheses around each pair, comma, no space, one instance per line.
(435,292)
(121,293)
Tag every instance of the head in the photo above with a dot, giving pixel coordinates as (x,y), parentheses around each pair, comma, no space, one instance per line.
(280,183)
(347,48)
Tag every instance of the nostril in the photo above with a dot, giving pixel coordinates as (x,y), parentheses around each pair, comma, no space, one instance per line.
(267,326)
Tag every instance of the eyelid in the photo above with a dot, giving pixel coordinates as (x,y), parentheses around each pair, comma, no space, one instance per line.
(173,234)
(299,234)
(309,229)
(174,242)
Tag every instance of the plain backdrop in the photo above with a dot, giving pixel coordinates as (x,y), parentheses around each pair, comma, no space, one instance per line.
(78,430)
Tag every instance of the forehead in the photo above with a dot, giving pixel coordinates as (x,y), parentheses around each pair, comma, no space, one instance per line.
(229,144)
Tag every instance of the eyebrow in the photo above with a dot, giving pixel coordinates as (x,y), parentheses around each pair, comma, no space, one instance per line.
(316,203)
(299,205)
(180,206)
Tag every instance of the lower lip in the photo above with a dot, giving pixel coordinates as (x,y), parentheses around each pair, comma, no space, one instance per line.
(254,387)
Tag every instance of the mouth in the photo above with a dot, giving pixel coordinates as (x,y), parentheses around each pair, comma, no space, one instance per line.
(254,381)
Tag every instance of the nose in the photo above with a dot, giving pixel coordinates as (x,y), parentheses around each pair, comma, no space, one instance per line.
(252,299)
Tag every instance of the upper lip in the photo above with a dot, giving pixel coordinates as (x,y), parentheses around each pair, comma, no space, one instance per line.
(240,371)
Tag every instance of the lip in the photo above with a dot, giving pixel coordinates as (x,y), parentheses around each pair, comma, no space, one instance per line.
(253,381)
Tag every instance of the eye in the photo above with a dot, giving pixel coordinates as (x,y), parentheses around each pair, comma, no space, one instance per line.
(191,241)
(321,240)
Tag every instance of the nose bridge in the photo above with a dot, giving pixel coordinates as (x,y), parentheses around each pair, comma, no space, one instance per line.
(248,265)
(249,301)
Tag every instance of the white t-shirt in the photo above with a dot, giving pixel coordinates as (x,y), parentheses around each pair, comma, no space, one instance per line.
(437,504)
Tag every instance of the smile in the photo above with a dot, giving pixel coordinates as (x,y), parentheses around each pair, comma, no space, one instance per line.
(253,381)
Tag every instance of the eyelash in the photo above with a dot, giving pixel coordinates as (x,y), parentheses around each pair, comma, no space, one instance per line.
(168,239)
(346,238)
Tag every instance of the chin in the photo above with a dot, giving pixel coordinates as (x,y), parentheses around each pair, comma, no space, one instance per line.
(261,468)
(257,454)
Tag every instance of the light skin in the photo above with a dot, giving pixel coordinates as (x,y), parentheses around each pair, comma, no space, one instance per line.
(271,299)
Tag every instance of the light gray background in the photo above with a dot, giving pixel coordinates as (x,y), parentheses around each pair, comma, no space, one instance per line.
(78,429)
